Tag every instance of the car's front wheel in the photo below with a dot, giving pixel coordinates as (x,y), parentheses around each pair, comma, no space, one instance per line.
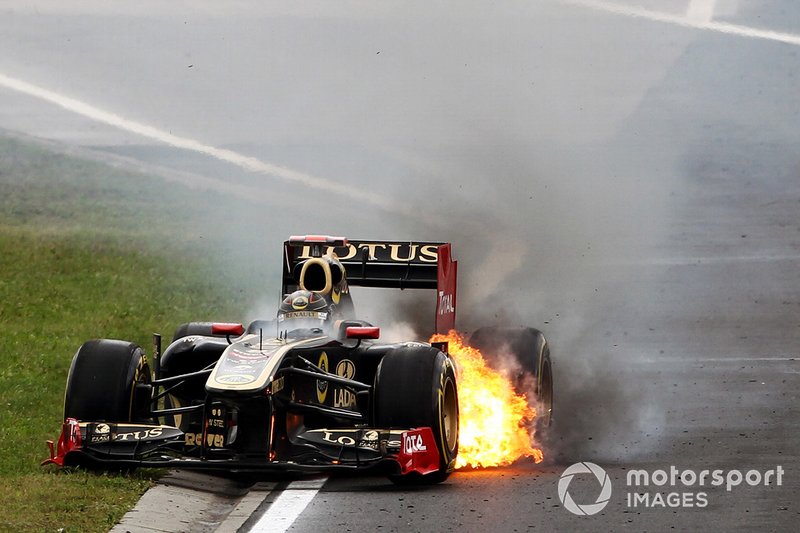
(108,381)
(416,387)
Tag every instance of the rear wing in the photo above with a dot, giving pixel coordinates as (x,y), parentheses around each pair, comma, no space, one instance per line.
(387,264)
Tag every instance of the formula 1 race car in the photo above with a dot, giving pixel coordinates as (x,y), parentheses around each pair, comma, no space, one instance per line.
(311,390)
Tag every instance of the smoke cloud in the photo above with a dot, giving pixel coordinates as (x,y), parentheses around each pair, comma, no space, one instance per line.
(517,132)
(517,151)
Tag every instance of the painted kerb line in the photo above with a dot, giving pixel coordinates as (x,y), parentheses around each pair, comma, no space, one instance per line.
(287,507)
(701,11)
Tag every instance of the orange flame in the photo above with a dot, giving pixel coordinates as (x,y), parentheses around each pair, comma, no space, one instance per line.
(493,418)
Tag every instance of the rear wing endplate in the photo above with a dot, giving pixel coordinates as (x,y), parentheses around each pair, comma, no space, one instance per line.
(387,264)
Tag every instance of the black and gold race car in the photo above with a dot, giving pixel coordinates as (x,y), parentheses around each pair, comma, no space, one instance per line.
(313,389)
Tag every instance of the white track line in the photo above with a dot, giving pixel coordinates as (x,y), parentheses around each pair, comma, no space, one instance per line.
(287,507)
(701,11)
(248,163)
(658,16)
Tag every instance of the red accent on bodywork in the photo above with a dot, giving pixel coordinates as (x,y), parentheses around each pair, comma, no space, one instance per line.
(446,291)
(318,239)
(225,328)
(418,452)
(69,440)
(363,332)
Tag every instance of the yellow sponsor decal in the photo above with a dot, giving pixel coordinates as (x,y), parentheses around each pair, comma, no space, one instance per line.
(343,397)
(322,386)
(301,302)
(304,314)
(346,369)
(212,441)
(389,251)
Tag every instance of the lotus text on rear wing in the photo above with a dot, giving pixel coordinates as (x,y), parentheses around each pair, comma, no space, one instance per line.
(377,251)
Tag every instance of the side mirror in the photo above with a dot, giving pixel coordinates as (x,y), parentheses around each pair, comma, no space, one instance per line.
(223,328)
(363,332)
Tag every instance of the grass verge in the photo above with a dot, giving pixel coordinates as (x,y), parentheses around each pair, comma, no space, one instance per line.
(87,251)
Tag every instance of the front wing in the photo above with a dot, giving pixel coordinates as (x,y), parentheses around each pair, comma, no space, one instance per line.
(125,445)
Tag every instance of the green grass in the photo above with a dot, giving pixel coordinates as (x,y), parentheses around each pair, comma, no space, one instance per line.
(88,251)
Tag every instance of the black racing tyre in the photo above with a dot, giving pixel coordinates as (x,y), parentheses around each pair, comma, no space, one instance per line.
(532,353)
(544,396)
(102,383)
(187,355)
(415,386)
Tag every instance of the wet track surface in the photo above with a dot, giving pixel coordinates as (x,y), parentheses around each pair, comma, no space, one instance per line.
(645,176)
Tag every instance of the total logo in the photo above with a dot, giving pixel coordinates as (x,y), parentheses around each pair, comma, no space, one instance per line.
(413,444)
(446,303)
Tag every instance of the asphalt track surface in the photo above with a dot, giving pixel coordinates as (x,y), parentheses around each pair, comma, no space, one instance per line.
(635,177)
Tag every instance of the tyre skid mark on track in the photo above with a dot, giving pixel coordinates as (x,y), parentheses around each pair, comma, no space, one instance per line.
(686,360)
(713,260)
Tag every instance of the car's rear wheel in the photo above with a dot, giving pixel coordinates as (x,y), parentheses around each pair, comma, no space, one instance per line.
(533,369)
(416,387)
(108,381)
(544,414)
